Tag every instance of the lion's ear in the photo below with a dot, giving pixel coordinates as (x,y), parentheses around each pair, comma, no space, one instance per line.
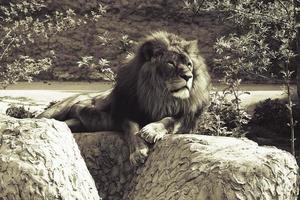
(150,49)
(147,50)
(193,45)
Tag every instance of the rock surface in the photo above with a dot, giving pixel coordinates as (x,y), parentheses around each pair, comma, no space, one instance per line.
(191,167)
(218,168)
(39,159)
(106,156)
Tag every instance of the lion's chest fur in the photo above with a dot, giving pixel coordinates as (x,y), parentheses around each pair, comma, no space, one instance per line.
(145,110)
(158,108)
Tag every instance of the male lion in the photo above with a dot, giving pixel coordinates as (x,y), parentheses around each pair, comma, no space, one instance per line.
(163,89)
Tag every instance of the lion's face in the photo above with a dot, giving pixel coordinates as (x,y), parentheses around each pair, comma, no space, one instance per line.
(176,70)
(168,76)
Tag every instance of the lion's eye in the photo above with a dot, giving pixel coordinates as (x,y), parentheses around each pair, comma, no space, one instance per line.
(189,64)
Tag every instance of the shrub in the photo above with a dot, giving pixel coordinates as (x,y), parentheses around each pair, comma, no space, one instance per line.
(264,40)
(93,69)
(273,115)
(125,43)
(22,23)
(19,112)
(223,117)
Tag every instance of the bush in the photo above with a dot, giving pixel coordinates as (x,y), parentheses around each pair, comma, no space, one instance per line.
(223,117)
(19,112)
(23,23)
(92,69)
(273,115)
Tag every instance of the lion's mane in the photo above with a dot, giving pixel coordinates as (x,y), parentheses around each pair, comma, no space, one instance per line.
(140,94)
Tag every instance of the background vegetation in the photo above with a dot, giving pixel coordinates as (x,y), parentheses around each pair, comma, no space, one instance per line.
(248,40)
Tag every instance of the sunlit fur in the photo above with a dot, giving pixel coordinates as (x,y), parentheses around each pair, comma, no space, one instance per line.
(141,94)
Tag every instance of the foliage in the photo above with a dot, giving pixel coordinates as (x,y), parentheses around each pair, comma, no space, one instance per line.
(262,43)
(105,38)
(223,117)
(22,68)
(19,112)
(125,43)
(22,24)
(90,68)
(15,32)
(273,115)
(197,7)
(264,40)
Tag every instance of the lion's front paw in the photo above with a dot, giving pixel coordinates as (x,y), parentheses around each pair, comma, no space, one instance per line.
(139,156)
(153,132)
(140,152)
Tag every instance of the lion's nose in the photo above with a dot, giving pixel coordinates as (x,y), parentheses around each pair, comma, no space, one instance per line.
(186,77)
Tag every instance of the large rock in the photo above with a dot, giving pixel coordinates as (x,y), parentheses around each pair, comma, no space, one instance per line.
(107,157)
(205,167)
(39,159)
(191,167)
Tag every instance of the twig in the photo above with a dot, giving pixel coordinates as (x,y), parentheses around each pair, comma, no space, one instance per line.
(5,37)
(6,49)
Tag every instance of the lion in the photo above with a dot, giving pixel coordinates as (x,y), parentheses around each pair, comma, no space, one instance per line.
(163,89)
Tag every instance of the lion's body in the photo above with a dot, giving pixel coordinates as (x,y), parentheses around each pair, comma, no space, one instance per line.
(163,89)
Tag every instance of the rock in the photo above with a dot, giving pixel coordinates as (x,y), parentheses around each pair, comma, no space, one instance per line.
(208,167)
(106,155)
(192,167)
(39,159)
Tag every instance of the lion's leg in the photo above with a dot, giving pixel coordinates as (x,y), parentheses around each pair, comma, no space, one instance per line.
(75,125)
(138,149)
(157,130)
(90,119)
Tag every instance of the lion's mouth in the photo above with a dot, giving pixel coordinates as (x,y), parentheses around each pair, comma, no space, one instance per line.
(181,88)
(182,93)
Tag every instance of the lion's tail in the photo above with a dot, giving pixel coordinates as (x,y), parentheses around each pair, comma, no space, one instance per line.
(60,110)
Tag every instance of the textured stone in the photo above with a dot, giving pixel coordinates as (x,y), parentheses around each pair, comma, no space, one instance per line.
(109,164)
(193,167)
(216,168)
(39,159)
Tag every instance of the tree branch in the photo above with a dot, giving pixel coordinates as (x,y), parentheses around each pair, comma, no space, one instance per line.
(6,48)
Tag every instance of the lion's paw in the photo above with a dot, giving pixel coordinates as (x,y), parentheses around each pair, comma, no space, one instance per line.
(139,156)
(139,152)
(153,132)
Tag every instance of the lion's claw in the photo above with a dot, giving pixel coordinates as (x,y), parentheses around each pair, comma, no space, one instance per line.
(153,132)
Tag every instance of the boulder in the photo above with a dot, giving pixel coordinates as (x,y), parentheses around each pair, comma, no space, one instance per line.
(39,159)
(107,157)
(206,167)
(191,167)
